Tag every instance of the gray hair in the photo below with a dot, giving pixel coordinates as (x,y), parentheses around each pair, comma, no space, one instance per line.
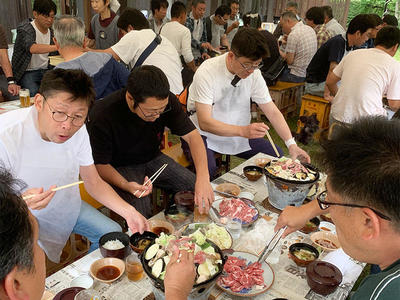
(69,31)
(292,4)
(289,15)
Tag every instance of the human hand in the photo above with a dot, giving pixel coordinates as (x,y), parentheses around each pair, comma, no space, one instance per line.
(297,153)
(328,96)
(41,198)
(203,195)
(137,189)
(292,217)
(180,275)
(136,222)
(254,130)
(13,89)
(235,24)
(206,46)
(205,56)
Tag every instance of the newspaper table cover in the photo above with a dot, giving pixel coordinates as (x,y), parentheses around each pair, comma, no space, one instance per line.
(290,280)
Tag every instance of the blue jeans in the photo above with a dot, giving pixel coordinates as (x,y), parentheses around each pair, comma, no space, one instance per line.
(286,76)
(93,224)
(31,80)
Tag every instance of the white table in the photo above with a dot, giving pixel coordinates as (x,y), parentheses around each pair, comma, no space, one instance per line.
(290,280)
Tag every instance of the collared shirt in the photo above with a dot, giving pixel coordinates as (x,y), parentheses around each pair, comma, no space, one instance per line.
(232,33)
(198,30)
(301,41)
(323,35)
(335,28)
(153,24)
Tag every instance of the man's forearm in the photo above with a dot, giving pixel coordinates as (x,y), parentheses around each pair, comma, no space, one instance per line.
(5,63)
(42,48)
(220,128)
(198,151)
(277,120)
(112,176)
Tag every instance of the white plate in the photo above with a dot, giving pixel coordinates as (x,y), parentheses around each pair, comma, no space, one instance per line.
(216,204)
(268,276)
(323,225)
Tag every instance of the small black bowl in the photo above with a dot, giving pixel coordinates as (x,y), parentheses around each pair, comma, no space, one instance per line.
(308,228)
(298,246)
(136,237)
(119,253)
(248,172)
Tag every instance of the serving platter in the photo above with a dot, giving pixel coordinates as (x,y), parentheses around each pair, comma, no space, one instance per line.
(268,276)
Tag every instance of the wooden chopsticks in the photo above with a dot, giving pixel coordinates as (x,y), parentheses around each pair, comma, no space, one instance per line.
(152,179)
(54,190)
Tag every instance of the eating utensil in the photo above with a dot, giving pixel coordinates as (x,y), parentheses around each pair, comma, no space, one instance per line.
(54,190)
(272,143)
(267,250)
(216,212)
(226,194)
(151,179)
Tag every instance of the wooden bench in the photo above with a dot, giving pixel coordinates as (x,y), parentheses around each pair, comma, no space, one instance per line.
(314,104)
(284,95)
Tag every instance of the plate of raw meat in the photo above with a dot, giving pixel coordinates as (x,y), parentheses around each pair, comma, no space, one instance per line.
(245,277)
(235,208)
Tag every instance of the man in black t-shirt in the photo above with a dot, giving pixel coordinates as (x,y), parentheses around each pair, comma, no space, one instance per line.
(126,129)
(331,53)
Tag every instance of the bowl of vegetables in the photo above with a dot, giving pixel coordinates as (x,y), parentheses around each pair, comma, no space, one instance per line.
(208,258)
(303,254)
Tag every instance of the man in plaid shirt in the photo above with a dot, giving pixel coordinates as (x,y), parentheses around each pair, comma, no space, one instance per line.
(315,19)
(301,46)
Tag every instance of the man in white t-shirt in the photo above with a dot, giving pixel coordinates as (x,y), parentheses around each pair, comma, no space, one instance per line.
(331,23)
(178,34)
(215,27)
(232,25)
(32,46)
(137,37)
(219,102)
(367,75)
(47,145)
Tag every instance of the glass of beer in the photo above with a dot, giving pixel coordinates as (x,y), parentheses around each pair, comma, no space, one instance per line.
(134,269)
(24,97)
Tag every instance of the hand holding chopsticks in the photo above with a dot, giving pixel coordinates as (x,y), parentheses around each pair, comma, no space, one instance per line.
(151,180)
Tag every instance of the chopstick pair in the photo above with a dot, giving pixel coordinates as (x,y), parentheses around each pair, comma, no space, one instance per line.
(272,143)
(151,179)
(267,249)
(54,190)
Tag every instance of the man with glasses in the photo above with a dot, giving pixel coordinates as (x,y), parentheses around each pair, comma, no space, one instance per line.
(32,46)
(232,24)
(219,102)
(126,130)
(362,197)
(47,145)
(215,27)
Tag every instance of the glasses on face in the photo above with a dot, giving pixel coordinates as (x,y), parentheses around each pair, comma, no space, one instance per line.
(158,113)
(249,67)
(60,116)
(325,205)
(222,19)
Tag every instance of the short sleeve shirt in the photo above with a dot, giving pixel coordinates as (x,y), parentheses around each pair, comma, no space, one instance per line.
(212,86)
(332,51)
(164,56)
(302,41)
(121,138)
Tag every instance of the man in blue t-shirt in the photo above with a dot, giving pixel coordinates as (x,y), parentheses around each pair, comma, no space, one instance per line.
(329,55)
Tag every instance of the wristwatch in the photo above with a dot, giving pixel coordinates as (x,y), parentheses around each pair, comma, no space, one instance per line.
(11,80)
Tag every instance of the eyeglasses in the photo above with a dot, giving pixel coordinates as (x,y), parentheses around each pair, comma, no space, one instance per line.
(325,205)
(222,19)
(249,67)
(158,113)
(60,116)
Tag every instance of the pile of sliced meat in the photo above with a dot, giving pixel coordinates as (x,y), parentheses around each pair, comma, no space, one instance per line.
(236,209)
(242,276)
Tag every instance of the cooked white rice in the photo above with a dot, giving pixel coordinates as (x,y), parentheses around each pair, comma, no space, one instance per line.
(113,245)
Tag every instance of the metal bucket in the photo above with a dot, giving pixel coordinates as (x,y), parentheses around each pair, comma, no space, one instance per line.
(284,192)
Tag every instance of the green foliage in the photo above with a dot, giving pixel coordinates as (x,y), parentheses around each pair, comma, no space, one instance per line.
(369,7)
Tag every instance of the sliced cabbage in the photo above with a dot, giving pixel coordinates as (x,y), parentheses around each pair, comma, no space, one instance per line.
(199,237)
(164,239)
(218,235)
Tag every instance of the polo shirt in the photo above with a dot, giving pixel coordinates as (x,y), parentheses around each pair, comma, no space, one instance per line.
(121,138)
(384,285)
(334,27)
(301,41)
(332,51)
(164,56)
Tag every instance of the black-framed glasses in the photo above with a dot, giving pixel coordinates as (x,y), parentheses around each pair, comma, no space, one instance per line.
(325,205)
(60,116)
(158,113)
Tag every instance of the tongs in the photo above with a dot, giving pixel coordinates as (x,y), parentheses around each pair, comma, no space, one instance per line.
(267,250)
